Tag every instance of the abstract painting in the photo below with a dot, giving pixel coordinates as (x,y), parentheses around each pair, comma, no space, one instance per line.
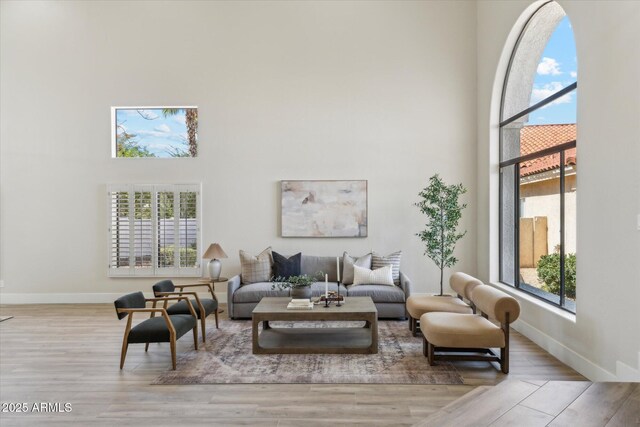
(324,208)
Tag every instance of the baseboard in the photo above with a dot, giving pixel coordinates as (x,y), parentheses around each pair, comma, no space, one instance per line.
(77,298)
(627,373)
(563,353)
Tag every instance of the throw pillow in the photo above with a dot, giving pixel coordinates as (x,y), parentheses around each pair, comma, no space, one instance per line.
(364,276)
(255,269)
(393,260)
(286,267)
(348,262)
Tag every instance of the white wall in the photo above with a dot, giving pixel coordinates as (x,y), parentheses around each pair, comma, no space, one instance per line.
(383,91)
(603,340)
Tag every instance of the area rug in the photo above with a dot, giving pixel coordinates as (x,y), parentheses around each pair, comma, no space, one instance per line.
(228,359)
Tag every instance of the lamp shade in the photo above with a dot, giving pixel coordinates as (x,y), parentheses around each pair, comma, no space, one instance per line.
(214,251)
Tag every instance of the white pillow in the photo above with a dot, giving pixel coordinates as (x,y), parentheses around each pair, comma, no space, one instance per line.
(381,276)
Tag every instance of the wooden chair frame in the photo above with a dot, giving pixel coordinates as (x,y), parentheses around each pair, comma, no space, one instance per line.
(167,318)
(429,350)
(209,286)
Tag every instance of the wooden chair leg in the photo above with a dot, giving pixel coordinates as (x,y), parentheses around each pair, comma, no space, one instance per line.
(216,314)
(204,329)
(424,346)
(195,337)
(411,323)
(125,340)
(415,327)
(123,354)
(146,347)
(173,354)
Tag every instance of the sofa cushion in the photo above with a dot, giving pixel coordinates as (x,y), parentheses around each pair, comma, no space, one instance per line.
(378,261)
(312,265)
(364,276)
(460,331)
(254,269)
(253,292)
(286,266)
(378,293)
(156,330)
(317,288)
(348,262)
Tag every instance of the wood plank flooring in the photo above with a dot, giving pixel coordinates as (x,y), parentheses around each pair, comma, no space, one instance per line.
(70,353)
(555,403)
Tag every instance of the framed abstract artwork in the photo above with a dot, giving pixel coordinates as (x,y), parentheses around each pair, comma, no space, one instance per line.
(324,208)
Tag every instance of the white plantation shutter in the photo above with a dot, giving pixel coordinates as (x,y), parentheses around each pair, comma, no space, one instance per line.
(120,246)
(188,228)
(154,230)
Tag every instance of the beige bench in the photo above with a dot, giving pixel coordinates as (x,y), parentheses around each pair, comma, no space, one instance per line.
(461,283)
(446,335)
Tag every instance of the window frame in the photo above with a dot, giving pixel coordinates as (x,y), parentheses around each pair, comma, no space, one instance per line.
(516,161)
(154,270)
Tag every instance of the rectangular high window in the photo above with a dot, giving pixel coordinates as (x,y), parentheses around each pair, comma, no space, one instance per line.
(154,230)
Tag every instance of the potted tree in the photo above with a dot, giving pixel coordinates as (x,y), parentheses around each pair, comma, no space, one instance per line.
(440,203)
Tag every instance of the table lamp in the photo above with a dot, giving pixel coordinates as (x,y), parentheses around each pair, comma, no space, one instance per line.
(213,253)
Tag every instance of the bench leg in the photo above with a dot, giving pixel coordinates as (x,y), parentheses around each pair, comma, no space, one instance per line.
(504,360)
(431,354)
(424,346)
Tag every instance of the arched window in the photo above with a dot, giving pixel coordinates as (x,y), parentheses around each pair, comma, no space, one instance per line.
(538,160)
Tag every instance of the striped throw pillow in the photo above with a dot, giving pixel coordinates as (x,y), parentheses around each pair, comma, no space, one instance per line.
(378,261)
(254,269)
(364,276)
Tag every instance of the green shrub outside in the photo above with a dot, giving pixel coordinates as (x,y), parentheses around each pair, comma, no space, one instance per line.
(549,273)
(188,256)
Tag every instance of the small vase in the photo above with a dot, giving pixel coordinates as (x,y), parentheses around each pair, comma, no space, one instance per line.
(298,293)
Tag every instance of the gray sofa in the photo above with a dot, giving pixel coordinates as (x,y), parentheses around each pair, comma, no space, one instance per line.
(389,300)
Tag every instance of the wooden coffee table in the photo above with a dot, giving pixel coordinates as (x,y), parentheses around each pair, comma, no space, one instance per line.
(330,340)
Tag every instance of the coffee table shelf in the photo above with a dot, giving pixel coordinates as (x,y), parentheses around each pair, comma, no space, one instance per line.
(330,340)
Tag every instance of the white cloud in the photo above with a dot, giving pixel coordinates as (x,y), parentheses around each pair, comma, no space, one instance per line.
(573,74)
(163,128)
(548,66)
(540,93)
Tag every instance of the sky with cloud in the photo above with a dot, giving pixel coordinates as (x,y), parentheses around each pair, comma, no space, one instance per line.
(158,134)
(557,69)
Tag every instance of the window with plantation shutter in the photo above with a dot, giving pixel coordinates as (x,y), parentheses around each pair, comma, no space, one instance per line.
(154,230)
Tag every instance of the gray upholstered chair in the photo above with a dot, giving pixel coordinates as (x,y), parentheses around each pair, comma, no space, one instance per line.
(167,328)
(200,305)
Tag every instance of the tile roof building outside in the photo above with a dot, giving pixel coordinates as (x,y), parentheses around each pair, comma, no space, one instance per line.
(538,137)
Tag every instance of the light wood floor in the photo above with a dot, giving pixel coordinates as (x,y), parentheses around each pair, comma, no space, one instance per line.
(70,353)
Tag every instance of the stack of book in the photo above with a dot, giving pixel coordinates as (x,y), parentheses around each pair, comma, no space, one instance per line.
(300,304)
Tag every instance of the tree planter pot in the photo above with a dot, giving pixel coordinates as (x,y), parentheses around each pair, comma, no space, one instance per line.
(301,292)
